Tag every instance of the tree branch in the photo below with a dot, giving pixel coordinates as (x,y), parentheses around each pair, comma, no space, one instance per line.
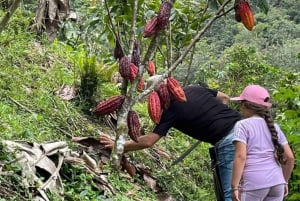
(113,29)
(193,51)
(9,13)
(151,49)
(199,35)
(20,105)
(133,26)
(118,148)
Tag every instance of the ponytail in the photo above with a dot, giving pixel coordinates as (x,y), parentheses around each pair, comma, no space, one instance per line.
(265,113)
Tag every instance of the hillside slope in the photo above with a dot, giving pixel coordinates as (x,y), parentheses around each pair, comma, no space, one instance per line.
(33,109)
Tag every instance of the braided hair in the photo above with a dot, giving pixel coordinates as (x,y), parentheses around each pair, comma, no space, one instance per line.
(265,113)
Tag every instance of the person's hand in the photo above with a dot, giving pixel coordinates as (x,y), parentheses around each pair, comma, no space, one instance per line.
(235,195)
(106,141)
(286,190)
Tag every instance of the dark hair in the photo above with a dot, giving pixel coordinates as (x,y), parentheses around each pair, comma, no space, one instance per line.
(265,113)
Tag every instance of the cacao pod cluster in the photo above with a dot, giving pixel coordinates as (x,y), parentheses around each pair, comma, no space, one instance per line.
(129,65)
(244,14)
(128,70)
(160,21)
(159,99)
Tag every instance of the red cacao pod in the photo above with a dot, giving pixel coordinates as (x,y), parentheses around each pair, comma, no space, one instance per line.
(134,125)
(164,95)
(237,15)
(141,85)
(151,68)
(246,14)
(164,14)
(151,28)
(124,67)
(109,105)
(133,71)
(154,107)
(176,89)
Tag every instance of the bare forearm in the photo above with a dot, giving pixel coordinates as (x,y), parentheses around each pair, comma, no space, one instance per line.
(238,168)
(288,165)
(145,141)
(287,169)
(133,146)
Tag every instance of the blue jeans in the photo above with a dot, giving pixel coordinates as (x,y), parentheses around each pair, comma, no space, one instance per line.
(225,155)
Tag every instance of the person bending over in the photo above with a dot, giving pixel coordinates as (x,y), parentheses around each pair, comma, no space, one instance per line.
(205,117)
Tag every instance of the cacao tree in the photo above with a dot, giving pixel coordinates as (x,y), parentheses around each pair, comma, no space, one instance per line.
(140,32)
(160,31)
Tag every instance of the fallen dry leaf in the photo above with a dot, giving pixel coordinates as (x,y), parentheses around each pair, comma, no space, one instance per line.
(130,168)
(162,153)
(133,191)
(92,145)
(151,182)
(66,92)
(164,197)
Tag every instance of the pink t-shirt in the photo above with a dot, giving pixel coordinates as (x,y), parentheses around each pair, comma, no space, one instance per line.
(261,169)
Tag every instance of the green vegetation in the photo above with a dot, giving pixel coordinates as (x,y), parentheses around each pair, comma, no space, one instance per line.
(32,70)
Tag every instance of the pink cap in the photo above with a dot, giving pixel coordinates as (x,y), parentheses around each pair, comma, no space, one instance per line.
(255,94)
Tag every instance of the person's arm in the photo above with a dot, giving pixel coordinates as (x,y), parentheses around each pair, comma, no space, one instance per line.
(288,157)
(144,141)
(238,168)
(288,165)
(224,98)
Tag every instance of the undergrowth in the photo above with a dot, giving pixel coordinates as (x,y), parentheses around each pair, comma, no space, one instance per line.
(32,71)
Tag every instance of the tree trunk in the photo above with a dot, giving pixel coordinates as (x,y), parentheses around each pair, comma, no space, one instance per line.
(9,13)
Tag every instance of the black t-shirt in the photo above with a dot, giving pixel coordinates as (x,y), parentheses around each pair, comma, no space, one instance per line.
(202,116)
